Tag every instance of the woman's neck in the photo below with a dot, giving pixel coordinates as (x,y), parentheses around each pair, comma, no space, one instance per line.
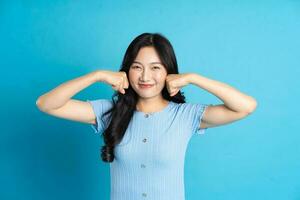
(151,105)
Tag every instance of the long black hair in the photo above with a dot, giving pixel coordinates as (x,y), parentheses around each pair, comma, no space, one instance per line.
(124,105)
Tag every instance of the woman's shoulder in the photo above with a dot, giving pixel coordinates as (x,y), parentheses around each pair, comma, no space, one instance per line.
(101,101)
(188,107)
(101,105)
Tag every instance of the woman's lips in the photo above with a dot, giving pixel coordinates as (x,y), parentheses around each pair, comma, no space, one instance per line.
(144,86)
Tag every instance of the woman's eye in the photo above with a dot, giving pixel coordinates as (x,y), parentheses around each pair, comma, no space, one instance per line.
(155,67)
(135,67)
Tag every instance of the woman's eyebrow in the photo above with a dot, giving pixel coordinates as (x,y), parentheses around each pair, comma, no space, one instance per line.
(149,63)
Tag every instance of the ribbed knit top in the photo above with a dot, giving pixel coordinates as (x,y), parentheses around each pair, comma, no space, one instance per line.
(149,161)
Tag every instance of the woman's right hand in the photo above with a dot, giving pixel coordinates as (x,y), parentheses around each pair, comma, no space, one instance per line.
(118,80)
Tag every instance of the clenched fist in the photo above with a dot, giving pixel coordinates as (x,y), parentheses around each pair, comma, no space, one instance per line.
(174,82)
(118,80)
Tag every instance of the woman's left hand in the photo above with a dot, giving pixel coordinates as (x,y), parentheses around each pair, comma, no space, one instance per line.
(174,82)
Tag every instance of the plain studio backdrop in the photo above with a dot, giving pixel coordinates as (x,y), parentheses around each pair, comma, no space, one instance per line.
(250,45)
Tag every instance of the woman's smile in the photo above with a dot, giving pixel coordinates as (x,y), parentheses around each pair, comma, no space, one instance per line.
(145,86)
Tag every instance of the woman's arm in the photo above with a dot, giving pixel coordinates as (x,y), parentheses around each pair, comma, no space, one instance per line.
(236,104)
(60,95)
(58,102)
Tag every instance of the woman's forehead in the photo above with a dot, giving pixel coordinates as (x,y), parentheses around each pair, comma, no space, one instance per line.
(147,55)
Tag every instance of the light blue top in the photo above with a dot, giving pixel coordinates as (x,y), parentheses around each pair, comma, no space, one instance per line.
(149,161)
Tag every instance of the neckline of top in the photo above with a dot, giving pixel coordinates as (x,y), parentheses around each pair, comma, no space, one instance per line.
(156,112)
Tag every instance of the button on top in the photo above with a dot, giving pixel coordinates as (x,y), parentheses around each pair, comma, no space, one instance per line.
(143,166)
(144,194)
(144,140)
(146,115)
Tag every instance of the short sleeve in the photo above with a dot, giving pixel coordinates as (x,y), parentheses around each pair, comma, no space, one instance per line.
(192,115)
(100,106)
(198,111)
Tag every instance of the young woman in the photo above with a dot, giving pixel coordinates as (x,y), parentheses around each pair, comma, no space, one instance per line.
(147,125)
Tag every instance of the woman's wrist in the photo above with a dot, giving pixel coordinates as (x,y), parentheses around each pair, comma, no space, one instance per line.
(191,77)
(99,76)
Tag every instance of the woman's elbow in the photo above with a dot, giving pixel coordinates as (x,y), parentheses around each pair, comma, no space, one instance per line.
(252,106)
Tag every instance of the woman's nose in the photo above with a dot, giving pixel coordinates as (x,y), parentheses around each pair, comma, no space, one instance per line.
(145,75)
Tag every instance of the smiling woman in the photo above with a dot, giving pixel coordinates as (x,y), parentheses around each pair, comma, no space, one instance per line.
(147,125)
(147,61)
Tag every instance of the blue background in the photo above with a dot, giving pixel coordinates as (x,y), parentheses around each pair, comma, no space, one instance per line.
(250,45)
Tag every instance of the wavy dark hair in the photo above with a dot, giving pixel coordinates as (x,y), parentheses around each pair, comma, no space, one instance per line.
(124,105)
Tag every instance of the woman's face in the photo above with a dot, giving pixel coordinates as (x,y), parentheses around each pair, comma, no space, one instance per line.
(147,69)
